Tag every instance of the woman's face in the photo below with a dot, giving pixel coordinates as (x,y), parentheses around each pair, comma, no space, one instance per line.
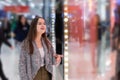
(41,26)
(23,20)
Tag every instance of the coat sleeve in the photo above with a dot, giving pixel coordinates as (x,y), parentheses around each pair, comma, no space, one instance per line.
(3,38)
(23,66)
(53,55)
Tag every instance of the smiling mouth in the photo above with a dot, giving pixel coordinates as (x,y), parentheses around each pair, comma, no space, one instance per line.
(42,28)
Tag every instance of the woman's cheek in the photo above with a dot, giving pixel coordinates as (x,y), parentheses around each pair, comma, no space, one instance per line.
(39,29)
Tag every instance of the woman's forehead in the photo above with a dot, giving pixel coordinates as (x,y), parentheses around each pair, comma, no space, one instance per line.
(41,20)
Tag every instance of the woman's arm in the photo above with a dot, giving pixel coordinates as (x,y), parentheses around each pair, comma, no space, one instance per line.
(56,57)
(3,38)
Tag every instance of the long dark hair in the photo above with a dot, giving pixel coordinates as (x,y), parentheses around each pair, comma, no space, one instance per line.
(33,33)
(19,20)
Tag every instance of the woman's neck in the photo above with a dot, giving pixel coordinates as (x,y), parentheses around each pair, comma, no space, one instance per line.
(38,41)
(38,38)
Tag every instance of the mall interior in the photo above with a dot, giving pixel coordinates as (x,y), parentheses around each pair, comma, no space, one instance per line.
(84,32)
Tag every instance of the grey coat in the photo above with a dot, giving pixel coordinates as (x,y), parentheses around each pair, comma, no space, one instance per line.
(30,64)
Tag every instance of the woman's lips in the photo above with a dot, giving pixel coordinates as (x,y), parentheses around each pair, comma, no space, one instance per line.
(42,28)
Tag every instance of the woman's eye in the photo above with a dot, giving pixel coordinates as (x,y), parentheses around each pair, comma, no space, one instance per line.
(44,23)
(39,23)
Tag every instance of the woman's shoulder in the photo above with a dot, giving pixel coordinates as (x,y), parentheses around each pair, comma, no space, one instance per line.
(50,44)
(25,45)
(24,41)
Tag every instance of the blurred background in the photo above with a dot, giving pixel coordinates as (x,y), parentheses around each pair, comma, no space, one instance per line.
(86,32)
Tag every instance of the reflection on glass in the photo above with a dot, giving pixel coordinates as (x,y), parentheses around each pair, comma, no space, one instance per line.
(89,48)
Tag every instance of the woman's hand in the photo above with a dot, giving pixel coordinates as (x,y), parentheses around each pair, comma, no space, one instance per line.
(12,47)
(58,59)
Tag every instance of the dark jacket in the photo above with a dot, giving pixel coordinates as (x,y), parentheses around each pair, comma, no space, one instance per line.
(3,38)
(21,31)
(6,26)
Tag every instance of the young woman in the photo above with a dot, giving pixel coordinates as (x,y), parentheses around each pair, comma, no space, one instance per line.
(22,28)
(37,55)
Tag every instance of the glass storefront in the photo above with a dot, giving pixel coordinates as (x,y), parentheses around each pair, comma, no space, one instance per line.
(89,40)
